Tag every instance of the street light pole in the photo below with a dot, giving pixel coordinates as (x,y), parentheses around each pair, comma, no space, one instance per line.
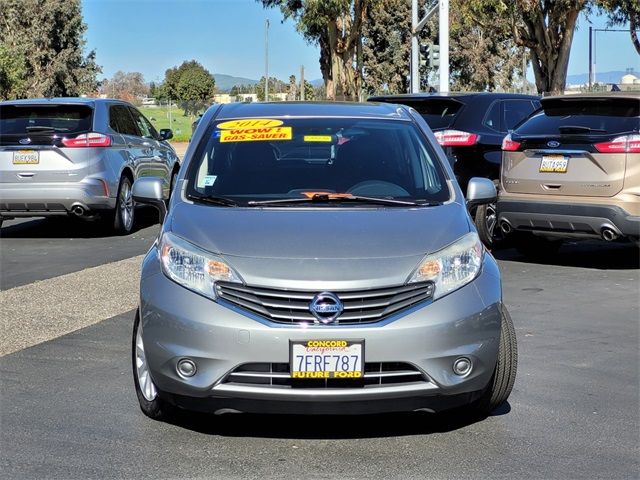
(266,60)
(443,19)
(415,62)
(590,58)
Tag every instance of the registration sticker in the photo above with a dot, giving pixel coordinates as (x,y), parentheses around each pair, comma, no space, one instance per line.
(256,134)
(317,138)
(209,180)
(325,359)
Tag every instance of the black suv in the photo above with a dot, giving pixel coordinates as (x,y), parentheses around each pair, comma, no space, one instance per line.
(470,127)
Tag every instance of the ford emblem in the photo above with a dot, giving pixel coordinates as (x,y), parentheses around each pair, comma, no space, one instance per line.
(24,141)
(553,144)
(326,307)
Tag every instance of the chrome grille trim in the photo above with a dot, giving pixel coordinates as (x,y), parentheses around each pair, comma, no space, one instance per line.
(277,375)
(292,306)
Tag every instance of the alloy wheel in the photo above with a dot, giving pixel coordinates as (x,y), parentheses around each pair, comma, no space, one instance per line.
(147,387)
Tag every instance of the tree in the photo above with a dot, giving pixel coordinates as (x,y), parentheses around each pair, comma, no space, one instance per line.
(275,86)
(622,12)
(129,86)
(336,26)
(46,41)
(190,84)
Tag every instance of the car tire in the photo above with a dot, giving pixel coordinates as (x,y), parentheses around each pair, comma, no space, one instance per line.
(504,375)
(124,213)
(486,221)
(535,247)
(148,395)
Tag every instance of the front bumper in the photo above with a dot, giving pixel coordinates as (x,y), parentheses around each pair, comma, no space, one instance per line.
(570,218)
(48,199)
(177,323)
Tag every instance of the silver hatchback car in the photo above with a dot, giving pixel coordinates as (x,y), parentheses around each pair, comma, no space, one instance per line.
(78,156)
(319,258)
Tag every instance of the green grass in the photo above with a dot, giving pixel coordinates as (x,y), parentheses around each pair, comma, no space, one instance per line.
(180,124)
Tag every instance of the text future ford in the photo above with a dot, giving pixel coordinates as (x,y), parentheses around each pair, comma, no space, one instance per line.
(319,258)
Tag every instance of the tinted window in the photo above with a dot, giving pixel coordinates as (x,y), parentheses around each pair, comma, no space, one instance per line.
(70,119)
(514,111)
(610,115)
(364,157)
(121,121)
(145,127)
(437,112)
(492,120)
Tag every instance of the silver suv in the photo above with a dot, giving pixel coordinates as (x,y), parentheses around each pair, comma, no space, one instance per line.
(319,258)
(78,156)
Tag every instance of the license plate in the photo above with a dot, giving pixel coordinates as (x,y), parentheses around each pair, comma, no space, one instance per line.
(554,164)
(26,157)
(327,359)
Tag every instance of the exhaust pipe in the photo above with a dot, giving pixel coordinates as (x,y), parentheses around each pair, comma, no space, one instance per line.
(78,210)
(505,227)
(609,234)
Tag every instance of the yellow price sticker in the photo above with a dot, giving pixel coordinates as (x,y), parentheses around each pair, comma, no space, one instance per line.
(256,135)
(249,124)
(317,138)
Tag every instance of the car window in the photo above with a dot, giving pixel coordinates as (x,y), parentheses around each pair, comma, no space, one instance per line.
(492,119)
(437,112)
(603,115)
(145,127)
(121,120)
(296,157)
(71,119)
(514,111)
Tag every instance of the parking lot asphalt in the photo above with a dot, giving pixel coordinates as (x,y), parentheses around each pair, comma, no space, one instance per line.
(68,408)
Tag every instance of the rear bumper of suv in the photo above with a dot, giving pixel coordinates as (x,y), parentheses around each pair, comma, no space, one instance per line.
(49,199)
(564,218)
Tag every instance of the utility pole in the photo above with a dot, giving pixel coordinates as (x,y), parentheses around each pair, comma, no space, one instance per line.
(443,19)
(302,83)
(266,60)
(415,64)
(590,58)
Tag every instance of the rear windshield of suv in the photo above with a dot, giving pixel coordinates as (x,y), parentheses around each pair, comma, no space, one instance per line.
(295,158)
(67,119)
(602,116)
(437,112)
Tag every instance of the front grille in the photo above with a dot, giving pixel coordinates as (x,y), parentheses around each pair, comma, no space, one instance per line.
(278,375)
(292,306)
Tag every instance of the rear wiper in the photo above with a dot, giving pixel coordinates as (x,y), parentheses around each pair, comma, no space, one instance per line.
(43,128)
(214,200)
(578,129)
(328,197)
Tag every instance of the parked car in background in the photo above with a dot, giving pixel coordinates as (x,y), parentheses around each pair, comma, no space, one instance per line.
(78,156)
(319,258)
(572,170)
(470,128)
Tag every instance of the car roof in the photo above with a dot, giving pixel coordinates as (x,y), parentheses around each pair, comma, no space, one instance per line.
(312,109)
(454,95)
(594,96)
(61,100)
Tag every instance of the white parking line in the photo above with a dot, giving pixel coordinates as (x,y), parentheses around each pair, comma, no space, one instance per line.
(34,313)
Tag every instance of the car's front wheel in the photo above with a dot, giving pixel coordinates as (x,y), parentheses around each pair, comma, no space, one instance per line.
(504,375)
(486,220)
(150,402)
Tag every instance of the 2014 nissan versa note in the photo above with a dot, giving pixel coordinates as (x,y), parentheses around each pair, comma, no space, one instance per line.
(319,258)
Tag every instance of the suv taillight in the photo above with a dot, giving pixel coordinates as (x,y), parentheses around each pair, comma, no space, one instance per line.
(509,145)
(623,144)
(456,138)
(87,140)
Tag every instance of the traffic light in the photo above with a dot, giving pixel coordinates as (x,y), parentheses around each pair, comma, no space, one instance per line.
(434,56)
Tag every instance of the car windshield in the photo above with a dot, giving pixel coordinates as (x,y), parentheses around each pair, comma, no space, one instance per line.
(262,159)
(25,118)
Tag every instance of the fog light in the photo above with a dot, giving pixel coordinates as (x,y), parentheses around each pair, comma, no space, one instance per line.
(462,366)
(186,368)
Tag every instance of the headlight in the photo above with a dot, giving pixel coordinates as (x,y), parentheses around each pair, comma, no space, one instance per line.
(453,266)
(192,267)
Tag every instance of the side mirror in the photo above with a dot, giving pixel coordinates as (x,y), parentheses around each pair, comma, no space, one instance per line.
(166,133)
(150,191)
(481,191)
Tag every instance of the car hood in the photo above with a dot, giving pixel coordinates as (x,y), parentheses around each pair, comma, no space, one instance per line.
(321,247)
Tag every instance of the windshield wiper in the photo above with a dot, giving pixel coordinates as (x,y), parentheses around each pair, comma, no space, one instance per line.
(213,200)
(578,129)
(328,197)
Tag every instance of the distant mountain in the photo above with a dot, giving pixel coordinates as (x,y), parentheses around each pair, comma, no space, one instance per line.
(225,83)
(601,77)
(317,83)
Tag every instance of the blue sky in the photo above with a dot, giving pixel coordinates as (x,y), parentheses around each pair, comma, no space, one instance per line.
(227,36)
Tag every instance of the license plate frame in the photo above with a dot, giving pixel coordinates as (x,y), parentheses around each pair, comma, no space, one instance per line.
(554,164)
(328,363)
(26,157)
